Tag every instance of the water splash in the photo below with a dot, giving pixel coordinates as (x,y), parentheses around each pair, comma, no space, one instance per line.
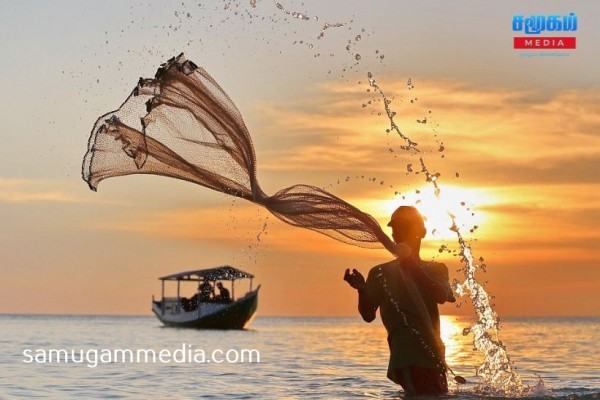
(262,232)
(294,14)
(329,25)
(497,370)
(253,252)
(410,145)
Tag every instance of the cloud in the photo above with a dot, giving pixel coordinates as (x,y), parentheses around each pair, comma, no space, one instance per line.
(492,133)
(35,191)
(550,170)
(241,226)
(32,191)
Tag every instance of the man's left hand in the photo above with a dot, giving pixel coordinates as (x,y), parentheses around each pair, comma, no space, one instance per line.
(355,279)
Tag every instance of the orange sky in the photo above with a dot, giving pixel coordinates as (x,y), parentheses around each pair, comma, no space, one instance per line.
(527,158)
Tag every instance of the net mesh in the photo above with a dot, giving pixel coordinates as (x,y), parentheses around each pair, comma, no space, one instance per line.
(183,125)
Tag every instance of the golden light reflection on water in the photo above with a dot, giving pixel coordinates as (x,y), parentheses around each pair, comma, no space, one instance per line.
(367,344)
(459,348)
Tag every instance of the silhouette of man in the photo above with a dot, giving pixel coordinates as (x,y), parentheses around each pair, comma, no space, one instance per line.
(223,296)
(407,292)
(205,291)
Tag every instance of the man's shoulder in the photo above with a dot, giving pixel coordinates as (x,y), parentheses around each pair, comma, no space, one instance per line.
(434,264)
(435,270)
(387,270)
(432,268)
(376,279)
(384,267)
(429,266)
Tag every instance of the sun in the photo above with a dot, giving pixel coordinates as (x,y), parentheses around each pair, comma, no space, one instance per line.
(460,202)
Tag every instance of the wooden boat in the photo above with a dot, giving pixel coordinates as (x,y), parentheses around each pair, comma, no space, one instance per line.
(203,312)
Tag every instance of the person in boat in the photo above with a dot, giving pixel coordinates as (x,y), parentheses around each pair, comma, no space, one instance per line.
(205,291)
(223,296)
(187,304)
(417,360)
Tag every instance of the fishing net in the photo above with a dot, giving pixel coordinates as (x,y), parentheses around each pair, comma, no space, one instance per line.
(183,125)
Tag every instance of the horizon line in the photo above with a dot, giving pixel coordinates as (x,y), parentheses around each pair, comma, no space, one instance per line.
(3,314)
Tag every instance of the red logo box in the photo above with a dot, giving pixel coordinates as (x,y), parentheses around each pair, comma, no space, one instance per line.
(548,42)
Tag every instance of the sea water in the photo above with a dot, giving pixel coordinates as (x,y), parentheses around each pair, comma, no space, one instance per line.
(300,357)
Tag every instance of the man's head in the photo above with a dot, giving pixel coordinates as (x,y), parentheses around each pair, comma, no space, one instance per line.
(407,224)
(220,285)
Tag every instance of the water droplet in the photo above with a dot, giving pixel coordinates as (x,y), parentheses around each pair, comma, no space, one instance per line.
(357,57)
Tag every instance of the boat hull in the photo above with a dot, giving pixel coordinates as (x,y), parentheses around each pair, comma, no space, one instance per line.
(236,315)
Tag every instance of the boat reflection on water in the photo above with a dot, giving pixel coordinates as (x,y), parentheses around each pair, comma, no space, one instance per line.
(203,310)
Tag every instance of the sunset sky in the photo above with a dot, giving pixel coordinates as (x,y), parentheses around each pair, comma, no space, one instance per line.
(520,137)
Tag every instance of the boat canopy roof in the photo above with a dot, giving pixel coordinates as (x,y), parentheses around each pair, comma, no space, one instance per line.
(224,272)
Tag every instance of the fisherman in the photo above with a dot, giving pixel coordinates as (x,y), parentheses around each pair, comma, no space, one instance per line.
(223,295)
(407,292)
(205,291)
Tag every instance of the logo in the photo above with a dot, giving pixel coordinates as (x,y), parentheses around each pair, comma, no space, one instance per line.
(536,24)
